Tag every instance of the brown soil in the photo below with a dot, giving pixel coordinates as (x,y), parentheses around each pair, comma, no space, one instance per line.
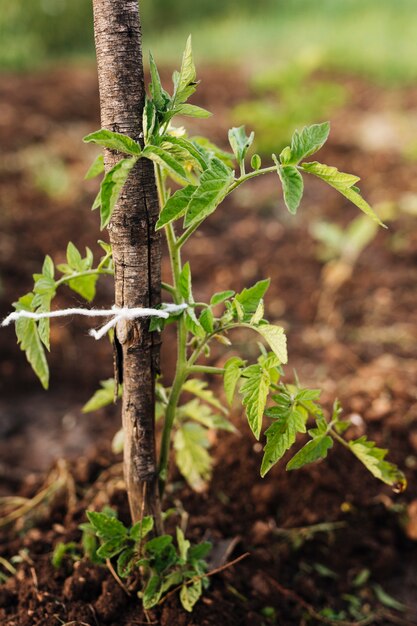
(362,351)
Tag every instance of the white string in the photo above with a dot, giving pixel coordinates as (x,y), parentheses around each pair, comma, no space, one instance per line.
(116,313)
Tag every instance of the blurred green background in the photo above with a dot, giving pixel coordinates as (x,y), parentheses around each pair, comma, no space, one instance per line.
(376,38)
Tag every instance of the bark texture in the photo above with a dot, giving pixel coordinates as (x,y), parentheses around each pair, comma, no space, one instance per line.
(136,245)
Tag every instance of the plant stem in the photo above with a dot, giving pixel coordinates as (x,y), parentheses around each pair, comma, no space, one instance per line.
(205,369)
(67,278)
(181,366)
(169,288)
(254,174)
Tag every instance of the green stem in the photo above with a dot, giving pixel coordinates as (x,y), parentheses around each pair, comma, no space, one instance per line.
(254,174)
(67,278)
(181,366)
(169,288)
(187,233)
(206,369)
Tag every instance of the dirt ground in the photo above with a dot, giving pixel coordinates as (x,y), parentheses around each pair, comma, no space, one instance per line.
(309,534)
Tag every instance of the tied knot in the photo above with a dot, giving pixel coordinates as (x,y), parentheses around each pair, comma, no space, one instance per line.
(116,314)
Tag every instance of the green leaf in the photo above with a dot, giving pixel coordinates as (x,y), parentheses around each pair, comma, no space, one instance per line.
(240,142)
(167,161)
(258,315)
(220,297)
(149,120)
(256,162)
(373,459)
(152,592)
(142,528)
(275,337)
(199,388)
(255,390)
(102,397)
(193,152)
(306,143)
(199,551)
(30,342)
(388,600)
(48,268)
(292,186)
(111,186)
(314,450)
(183,544)
(191,110)
(232,374)
(184,284)
(96,168)
(156,86)
(176,206)
(125,562)
(110,548)
(189,594)
(114,141)
(106,526)
(213,187)
(193,461)
(204,415)
(250,298)
(185,81)
(206,320)
(344,183)
(280,436)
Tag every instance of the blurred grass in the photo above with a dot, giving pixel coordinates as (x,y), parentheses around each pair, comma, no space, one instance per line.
(376,38)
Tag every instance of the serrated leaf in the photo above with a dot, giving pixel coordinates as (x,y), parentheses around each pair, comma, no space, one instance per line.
(156,86)
(344,183)
(111,187)
(192,324)
(276,339)
(142,528)
(281,435)
(96,168)
(186,78)
(258,315)
(114,141)
(110,548)
(292,186)
(167,161)
(193,152)
(373,459)
(192,110)
(189,594)
(85,286)
(220,297)
(206,320)
(255,390)
(240,142)
(204,415)
(305,143)
(213,187)
(102,397)
(176,206)
(314,450)
(193,461)
(74,258)
(48,268)
(199,389)
(183,545)
(250,297)
(106,526)
(30,342)
(232,373)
